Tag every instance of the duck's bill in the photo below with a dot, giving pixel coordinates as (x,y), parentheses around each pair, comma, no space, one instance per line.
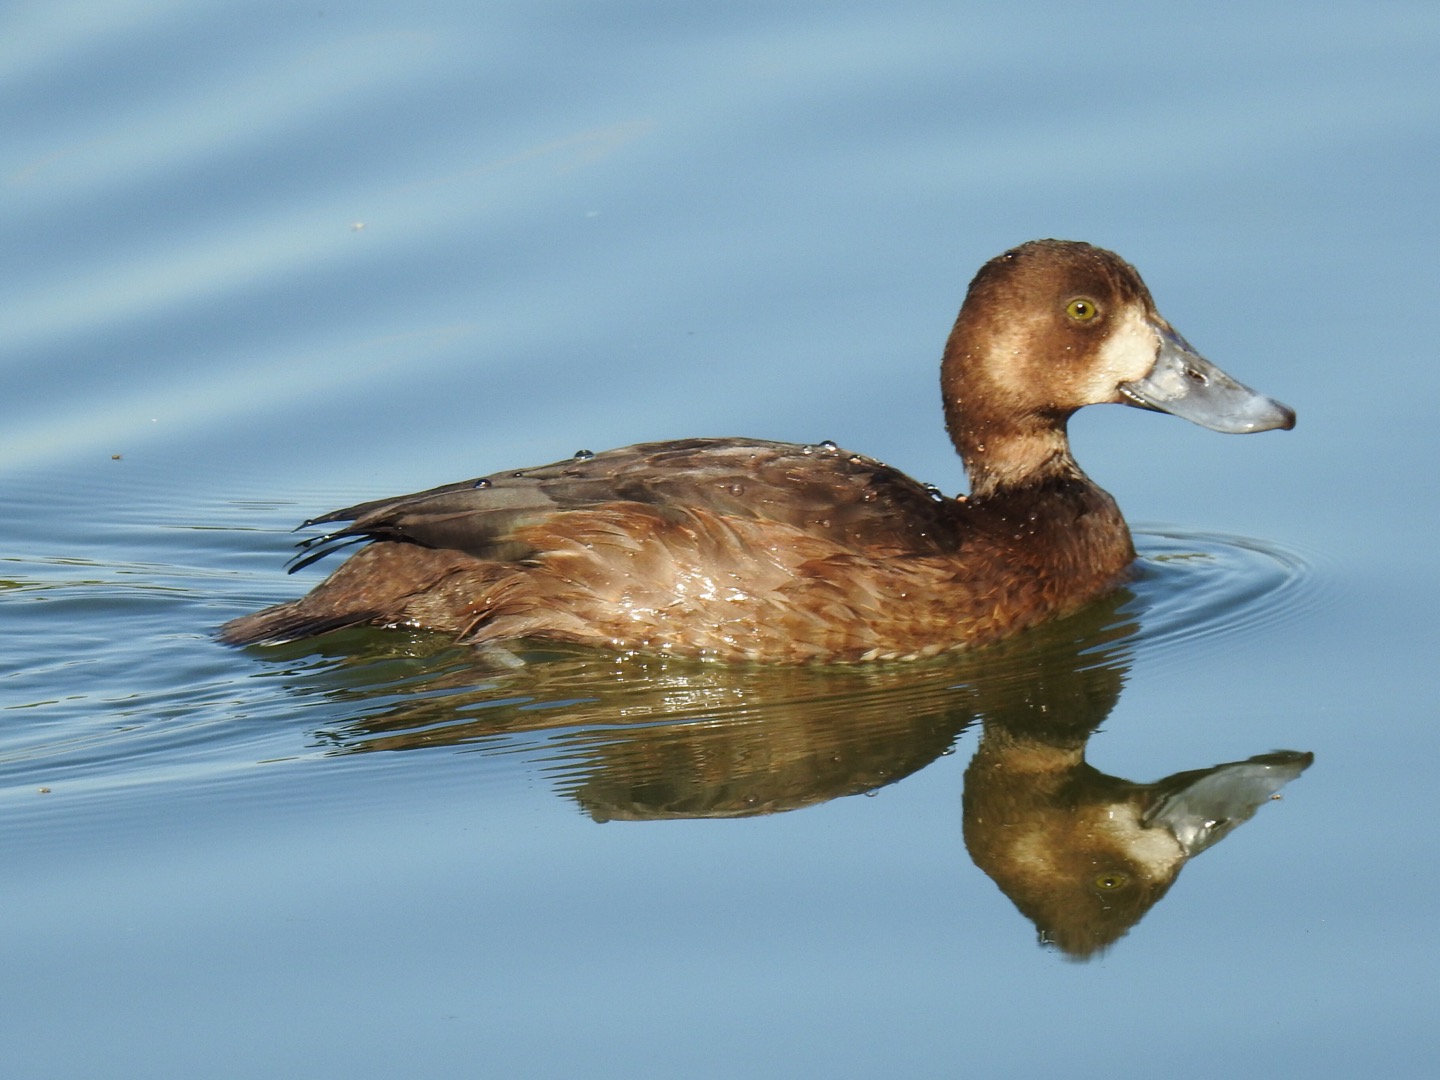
(1184,384)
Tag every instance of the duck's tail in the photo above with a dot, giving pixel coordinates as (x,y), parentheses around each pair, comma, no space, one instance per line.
(385,584)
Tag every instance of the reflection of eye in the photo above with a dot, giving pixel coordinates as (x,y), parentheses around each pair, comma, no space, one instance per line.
(1082,310)
(1110,881)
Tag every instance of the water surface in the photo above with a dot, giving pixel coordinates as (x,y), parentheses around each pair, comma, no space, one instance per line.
(262,261)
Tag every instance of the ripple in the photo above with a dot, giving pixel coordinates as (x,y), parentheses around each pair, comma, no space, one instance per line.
(1203,587)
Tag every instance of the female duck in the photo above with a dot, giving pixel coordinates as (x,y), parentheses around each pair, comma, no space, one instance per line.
(751,550)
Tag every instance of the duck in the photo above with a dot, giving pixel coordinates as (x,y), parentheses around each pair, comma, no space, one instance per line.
(739,550)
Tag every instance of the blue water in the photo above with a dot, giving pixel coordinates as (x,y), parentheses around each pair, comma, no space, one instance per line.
(260,261)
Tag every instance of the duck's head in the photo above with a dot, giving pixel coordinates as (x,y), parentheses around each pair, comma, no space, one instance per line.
(1054,325)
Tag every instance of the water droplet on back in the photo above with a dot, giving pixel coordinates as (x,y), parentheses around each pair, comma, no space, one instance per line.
(829,445)
(583,455)
(483,482)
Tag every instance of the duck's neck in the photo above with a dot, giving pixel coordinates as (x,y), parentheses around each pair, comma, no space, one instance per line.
(1008,456)
(1007,439)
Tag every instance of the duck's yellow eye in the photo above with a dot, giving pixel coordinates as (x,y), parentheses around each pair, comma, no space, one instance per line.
(1110,880)
(1081,310)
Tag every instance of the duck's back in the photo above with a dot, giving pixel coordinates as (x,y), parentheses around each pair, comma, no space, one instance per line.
(850,499)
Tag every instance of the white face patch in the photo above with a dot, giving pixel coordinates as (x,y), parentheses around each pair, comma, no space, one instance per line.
(1011,343)
(1128,353)
(1154,849)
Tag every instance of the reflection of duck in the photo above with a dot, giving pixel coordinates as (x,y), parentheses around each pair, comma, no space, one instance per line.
(759,550)
(1082,854)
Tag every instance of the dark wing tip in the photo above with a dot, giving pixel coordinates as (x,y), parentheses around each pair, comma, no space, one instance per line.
(315,548)
(285,622)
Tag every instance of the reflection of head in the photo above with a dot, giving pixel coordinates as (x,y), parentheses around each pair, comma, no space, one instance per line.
(1064,843)
(1084,855)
